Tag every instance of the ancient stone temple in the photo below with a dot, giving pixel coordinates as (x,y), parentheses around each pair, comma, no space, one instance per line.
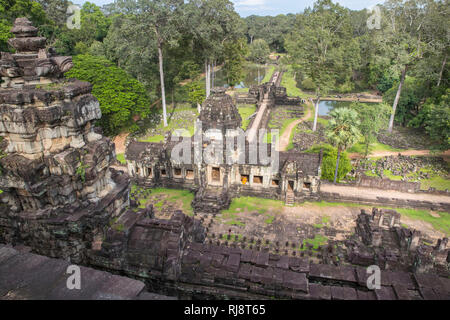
(240,171)
(55,169)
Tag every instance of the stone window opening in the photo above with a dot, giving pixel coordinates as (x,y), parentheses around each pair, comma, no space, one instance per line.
(215,174)
(258,180)
(245,179)
(307,185)
(275,183)
(177,172)
(149,171)
(190,174)
(138,170)
(163,173)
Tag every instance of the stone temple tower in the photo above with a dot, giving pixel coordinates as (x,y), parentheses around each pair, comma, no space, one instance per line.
(54,164)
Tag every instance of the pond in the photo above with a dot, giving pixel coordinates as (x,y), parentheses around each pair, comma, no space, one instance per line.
(253,76)
(325,107)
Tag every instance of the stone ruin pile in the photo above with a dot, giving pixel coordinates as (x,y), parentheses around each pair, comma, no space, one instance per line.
(384,242)
(55,166)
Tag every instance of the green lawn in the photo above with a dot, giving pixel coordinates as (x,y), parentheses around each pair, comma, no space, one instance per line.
(318,240)
(269,73)
(156,139)
(246,111)
(267,207)
(374,147)
(286,123)
(121,158)
(435,181)
(290,84)
(171,195)
(442,223)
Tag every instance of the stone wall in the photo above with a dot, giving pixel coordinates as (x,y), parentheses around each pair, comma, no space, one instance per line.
(171,258)
(387,184)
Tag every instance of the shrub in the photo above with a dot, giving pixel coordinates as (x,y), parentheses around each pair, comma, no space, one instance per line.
(329,162)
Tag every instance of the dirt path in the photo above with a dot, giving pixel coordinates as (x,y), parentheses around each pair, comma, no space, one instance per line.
(119,141)
(372,194)
(286,136)
(382,154)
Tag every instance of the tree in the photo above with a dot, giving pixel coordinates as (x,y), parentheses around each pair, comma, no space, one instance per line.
(121,97)
(213,23)
(197,94)
(434,117)
(342,131)
(161,18)
(234,52)
(373,118)
(328,167)
(323,49)
(403,33)
(259,51)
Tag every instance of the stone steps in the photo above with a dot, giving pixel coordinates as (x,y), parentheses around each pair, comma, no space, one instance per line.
(290,199)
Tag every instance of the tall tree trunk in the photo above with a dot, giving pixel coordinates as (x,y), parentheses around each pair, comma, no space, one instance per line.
(397,99)
(163,88)
(337,165)
(213,80)
(442,70)
(208,82)
(316,113)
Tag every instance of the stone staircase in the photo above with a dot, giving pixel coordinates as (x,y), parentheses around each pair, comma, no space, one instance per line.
(290,199)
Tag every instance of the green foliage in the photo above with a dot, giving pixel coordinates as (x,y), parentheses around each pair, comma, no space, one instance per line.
(323,48)
(308,84)
(259,51)
(121,97)
(329,162)
(372,118)
(235,52)
(434,116)
(197,92)
(12,9)
(81,171)
(342,130)
(270,29)
(409,100)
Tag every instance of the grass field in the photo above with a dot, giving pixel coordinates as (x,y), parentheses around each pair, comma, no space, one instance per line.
(183,197)
(441,223)
(290,84)
(246,111)
(374,147)
(121,158)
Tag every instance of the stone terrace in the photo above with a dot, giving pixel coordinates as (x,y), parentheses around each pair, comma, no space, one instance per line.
(28,276)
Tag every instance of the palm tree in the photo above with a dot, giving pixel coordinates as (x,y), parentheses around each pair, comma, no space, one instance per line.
(342,131)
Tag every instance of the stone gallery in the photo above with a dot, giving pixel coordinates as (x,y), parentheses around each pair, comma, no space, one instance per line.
(62,199)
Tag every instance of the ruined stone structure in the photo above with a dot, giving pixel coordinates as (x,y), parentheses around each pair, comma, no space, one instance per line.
(55,169)
(384,242)
(217,181)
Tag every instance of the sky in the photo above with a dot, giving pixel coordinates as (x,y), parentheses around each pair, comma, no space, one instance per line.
(274,7)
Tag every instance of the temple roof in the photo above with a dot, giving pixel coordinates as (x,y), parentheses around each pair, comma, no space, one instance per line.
(219,112)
